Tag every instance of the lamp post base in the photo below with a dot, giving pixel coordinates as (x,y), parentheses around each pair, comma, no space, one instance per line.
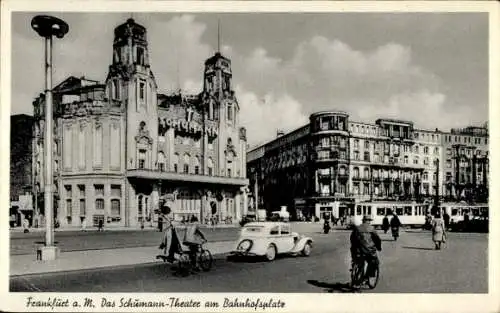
(48,253)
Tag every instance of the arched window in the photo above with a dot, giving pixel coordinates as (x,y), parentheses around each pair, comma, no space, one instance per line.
(175,161)
(366,173)
(210,166)
(355,172)
(196,164)
(186,163)
(161,161)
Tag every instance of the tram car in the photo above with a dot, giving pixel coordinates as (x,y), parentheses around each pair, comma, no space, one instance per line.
(457,211)
(410,214)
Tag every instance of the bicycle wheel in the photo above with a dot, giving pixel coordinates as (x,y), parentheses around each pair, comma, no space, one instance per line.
(356,274)
(373,280)
(184,264)
(205,260)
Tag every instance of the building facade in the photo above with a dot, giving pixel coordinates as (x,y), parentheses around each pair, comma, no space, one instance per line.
(122,149)
(21,178)
(333,162)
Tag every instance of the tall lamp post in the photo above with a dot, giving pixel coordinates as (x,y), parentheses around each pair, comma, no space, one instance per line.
(48,27)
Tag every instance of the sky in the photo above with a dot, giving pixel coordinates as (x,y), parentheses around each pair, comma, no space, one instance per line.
(430,68)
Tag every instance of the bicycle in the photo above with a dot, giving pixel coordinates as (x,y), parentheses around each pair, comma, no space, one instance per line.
(185,266)
(359,275)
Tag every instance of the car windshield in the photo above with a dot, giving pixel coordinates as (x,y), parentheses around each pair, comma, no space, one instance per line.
(253,229)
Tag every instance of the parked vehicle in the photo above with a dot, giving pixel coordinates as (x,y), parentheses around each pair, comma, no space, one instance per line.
(268,239)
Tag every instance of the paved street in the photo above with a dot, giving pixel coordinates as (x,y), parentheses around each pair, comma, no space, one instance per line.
(408,265)
(77,240)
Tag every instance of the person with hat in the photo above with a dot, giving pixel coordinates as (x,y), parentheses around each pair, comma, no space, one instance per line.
(170,241)
(365,243)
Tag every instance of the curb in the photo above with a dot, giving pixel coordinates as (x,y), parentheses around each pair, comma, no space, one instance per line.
(216,256)
(94,249)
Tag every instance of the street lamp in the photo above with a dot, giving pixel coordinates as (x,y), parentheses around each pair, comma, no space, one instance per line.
(47,27)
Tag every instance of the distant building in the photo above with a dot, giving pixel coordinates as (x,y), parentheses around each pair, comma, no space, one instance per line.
(122,149)
(21,154)
(331,163)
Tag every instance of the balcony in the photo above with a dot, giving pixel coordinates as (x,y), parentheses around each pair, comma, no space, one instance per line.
(183,177)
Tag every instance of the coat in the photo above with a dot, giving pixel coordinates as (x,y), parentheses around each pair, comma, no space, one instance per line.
(438,230)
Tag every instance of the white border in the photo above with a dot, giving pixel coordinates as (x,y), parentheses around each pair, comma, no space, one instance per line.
(294,302)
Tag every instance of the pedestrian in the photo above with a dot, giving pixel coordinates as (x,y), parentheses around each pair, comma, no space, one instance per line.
(100,225)
(84,224)
(26,225)
(385,224)
(438,231)
(395,224)
(168,245)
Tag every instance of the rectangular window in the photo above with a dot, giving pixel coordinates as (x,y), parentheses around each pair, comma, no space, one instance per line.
(81,189)
(67,141)
(140,56)
(99,190)
(210,171)
(114,144)
(82,207)
(186,168)
(142,158)
(229,172)
(99,204)
(116,191)
(142,91)
(162,167)
(69,193)
(229,112)
(175,168)
(115,207)
(69,208)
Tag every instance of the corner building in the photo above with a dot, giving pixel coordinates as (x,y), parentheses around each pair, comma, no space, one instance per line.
(122,149)
(333,162)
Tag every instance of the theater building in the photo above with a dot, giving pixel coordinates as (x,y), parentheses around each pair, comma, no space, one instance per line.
(333,162)
(121,148)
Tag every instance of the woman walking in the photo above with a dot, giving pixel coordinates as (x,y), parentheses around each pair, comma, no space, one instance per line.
(438,231)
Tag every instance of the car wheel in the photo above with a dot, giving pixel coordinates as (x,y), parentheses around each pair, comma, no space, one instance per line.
(306,251)
(271,253)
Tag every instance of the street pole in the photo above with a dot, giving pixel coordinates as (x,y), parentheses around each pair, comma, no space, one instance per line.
(436,199)
(47,27)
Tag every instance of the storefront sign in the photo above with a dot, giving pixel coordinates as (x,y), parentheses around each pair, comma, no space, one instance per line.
(191,127)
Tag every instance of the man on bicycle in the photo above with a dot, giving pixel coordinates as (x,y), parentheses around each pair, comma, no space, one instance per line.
(364,244)
(193,238)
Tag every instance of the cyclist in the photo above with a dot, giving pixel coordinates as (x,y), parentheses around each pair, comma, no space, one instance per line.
(193,238)
(169,240)
(364,245)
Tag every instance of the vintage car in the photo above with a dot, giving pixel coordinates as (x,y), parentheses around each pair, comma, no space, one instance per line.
(269,239)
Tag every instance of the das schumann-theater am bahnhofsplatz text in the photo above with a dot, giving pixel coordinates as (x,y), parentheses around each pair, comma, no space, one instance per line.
(121,148)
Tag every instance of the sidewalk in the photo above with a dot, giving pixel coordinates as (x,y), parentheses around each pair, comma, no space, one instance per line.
(92,259)
(115,228)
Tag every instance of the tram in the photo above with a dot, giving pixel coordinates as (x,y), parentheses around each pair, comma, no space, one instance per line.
(457,211)
(410,214)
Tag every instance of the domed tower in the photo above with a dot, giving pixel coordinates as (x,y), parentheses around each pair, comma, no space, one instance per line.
(132,89)
(223,108)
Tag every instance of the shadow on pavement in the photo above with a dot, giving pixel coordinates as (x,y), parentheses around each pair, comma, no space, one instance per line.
(417,248)
(332,287)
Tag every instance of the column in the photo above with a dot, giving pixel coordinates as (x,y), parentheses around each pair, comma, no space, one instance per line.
(245,202)
(237,207)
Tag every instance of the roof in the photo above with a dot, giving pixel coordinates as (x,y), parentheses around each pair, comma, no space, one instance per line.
(264,224)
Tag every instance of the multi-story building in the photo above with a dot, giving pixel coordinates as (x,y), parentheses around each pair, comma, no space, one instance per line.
(21,178)
(333,162)
(121,147)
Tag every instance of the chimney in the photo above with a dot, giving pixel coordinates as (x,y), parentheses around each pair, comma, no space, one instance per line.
(279,133)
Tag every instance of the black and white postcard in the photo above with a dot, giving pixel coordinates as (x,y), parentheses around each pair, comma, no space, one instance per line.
(249,156)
